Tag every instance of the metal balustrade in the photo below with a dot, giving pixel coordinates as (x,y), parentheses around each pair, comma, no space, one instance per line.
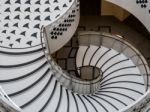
(119,44)
(110,41)
(69,81)
(43,86)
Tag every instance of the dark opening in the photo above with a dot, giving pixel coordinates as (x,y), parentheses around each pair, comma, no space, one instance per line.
(137,25)
(89,72)
(90,7)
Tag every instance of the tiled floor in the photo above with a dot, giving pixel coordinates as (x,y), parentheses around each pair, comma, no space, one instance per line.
(66,56)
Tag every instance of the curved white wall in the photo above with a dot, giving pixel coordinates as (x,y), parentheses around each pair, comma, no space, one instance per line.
(63,29)
(142,14)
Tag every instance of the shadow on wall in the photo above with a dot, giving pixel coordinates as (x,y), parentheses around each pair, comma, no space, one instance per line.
(137,25)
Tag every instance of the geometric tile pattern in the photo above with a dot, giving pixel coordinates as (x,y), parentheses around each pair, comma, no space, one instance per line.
(21,20)
(66,56)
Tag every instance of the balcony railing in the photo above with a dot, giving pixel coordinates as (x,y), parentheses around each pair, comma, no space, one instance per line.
(115,42)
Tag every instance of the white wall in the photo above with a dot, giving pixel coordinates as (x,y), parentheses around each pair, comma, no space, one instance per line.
(141,13)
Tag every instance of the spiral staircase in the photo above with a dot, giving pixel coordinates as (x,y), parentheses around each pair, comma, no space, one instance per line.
(31,80)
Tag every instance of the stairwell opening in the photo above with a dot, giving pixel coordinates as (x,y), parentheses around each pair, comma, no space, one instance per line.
(89,72)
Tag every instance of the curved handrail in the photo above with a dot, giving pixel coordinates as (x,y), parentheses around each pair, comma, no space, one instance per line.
(67,77)
(139,104)
(127,43)
(42,37)
(7,102)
